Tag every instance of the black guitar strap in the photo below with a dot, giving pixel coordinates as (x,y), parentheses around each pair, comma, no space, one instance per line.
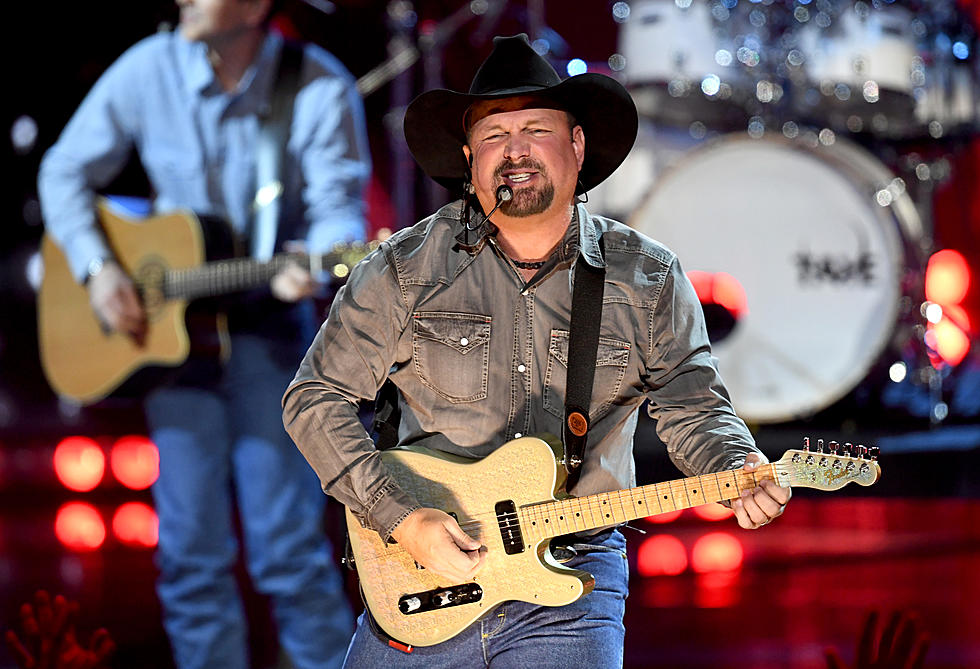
(583,346)
(271,152)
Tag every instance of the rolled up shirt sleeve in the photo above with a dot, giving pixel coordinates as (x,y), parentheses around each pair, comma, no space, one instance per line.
(688,399)
(348,361)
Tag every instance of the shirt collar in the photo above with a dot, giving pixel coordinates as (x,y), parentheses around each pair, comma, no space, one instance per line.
(582,233)
(200,75)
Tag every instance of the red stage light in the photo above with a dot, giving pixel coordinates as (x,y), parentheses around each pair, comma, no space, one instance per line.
(728,292)
(79,527)
(135,462)
(719,288)
(702,285)
(79,463)
(661,554)
(718,551)
(713,511)
(948,341)
(136,524)
(666,517)
(947,277)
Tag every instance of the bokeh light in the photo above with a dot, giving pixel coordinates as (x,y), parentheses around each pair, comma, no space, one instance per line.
(79,463)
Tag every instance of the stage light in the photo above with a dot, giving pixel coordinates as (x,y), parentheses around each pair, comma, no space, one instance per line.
(933,312)
(576,66)
(23,135)
(34,271)
(711,84)
(718,551)
(947,277)
(702,285)
(79,463)
(661,555)
(135,462)
(713,511)
(79,527)
(136,524)
(666,517)
(898,371)
(949,342)
(728,292)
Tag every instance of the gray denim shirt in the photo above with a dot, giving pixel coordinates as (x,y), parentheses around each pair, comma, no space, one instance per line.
(479,357)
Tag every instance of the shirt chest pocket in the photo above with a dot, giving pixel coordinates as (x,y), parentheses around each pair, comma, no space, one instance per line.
(612,357)
(451,352)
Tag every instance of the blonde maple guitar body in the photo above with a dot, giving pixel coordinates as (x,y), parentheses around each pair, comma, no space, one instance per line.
(174,260)
(513,503)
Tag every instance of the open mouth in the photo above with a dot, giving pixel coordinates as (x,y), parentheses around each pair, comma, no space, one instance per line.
(518,178)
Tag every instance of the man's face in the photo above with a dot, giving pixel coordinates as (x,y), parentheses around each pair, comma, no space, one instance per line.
(212,21)
(534,151)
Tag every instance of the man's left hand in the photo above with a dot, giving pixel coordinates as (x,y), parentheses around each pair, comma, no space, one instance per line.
(760,505)
(292,283)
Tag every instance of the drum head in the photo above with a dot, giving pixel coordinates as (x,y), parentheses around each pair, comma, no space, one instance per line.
(819,259)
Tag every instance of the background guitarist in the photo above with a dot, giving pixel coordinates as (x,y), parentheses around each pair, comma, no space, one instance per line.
(469,320)
(190,103)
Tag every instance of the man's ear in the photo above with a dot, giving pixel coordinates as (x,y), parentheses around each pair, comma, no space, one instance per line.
(578,144)
(469,155)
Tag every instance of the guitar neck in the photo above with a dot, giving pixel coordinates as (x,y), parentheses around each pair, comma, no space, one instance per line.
(579,514)
(229,276)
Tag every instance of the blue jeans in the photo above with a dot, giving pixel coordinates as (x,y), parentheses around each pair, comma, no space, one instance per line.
(221,440)
(517,635)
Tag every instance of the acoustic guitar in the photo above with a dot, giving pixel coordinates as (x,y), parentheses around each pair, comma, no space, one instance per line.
(173,259)
(513,502)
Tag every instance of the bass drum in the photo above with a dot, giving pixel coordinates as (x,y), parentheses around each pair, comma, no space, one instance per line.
(819,238)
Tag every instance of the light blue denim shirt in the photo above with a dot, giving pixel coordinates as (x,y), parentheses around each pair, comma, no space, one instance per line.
(197,144)
(479,357)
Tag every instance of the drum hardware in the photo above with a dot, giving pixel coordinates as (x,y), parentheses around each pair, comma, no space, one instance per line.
(890,70)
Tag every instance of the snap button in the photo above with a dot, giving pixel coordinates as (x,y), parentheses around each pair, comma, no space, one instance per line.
(464,341)
(518,435)
(521,368)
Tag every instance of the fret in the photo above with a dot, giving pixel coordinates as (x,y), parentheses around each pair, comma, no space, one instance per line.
(622,506)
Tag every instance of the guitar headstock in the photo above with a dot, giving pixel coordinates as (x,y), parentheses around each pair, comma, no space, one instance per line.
(828,469)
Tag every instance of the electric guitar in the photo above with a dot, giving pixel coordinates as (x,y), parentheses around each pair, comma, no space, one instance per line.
(172,260)
(513,502)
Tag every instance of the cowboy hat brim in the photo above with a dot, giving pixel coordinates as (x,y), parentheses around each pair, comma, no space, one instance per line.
(435,136)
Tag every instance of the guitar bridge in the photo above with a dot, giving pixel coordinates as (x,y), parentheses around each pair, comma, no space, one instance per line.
(440,598)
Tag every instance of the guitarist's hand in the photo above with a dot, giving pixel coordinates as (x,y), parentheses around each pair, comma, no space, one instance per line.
(761,505)
(292,283)
(115,302)
(436,542)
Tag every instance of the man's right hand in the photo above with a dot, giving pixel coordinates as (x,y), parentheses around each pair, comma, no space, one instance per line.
(116,303)
(436,542)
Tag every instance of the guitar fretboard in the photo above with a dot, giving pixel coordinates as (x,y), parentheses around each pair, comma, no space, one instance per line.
(578,514)
(227,276)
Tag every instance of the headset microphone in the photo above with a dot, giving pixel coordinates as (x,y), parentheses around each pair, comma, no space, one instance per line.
(504,194)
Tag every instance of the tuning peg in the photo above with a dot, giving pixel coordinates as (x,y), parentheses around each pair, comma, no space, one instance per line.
(833,447)
(873,452)
(806,443)
(819,445)
(861,451)
(848,448)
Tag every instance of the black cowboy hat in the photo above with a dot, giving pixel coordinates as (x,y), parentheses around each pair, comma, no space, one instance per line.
(434,121)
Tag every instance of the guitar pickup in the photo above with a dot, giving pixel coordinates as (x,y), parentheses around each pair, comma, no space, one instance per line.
(440,598)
